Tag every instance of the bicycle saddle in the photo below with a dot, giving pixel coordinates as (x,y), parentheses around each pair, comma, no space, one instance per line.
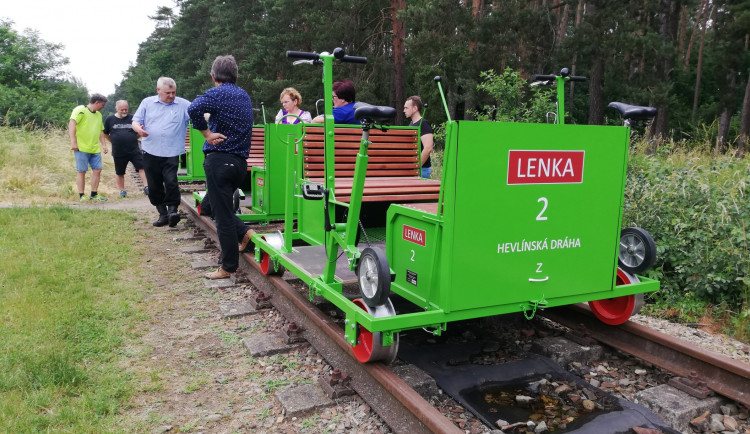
(373,113)
(633,112)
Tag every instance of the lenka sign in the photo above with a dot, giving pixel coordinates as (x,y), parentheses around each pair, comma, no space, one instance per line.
(545,167)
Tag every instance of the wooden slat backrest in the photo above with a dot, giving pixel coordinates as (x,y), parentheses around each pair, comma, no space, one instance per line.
(256,149)
(392,153)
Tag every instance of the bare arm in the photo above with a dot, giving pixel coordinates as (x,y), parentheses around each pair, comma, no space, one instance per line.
(103,142)
(212,138)
(72,134)
(427,144)
(139,129)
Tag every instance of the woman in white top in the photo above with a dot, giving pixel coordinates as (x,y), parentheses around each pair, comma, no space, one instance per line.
(291,100)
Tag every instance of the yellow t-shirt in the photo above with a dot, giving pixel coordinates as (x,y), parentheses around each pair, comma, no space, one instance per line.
(88,128)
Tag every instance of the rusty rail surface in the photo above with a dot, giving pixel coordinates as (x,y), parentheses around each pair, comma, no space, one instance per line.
(402,408)
(723,375)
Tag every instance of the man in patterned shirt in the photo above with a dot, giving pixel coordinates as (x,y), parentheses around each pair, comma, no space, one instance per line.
(227,146)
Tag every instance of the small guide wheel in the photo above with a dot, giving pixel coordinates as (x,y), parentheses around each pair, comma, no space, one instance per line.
(374,276)
(369,347)
(236,202)
(267,266)
(637,250)
(615,311)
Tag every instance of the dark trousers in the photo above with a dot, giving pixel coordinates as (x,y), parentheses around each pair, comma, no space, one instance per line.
(224,174)
(161,175)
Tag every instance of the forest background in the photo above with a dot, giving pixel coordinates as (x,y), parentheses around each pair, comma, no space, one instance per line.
(688,58)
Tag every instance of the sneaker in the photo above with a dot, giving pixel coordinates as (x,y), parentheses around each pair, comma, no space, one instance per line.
(99,198)
(83,198)
(145,191)
(123,193)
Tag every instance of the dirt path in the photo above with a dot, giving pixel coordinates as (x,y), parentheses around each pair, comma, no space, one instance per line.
(192,370)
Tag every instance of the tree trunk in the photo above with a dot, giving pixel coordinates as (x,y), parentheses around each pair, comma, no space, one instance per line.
(667,30)
(562,25)
(721,140)
(745,120)
(728,103)
(399,54)
(596,92)
(579,19)
(701,12)
(682,31)
(699,67)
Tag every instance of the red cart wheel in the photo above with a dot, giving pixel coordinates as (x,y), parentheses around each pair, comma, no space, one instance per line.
(615,311)
(369,346)
(268,267)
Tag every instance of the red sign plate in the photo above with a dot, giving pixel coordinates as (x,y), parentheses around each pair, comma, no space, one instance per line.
(545,167)
(260,182)
(414,235)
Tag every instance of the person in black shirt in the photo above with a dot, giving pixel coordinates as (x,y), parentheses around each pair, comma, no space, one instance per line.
(413,110)
(118,129)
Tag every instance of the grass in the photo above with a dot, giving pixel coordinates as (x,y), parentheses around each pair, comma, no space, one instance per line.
(65,308)
(37,167)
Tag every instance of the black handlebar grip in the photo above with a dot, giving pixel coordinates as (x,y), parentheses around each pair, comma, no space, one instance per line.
(302,55)
(354,59)
(577,78)
(539,77)
(438,79)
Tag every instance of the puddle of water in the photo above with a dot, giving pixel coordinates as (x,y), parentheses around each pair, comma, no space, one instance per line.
(535,399)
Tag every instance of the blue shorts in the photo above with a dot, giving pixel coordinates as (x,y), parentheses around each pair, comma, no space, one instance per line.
(84,160)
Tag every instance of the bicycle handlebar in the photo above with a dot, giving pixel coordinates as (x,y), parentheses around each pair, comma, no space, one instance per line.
(302,55)
(316,56)
(542,77)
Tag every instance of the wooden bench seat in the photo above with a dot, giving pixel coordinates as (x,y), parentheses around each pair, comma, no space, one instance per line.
(393,168)
(430,208)
(388,189)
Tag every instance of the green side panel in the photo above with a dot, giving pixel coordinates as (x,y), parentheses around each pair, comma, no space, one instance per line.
(258,196)
(311,221)
(194,158)
(536,214)
(412,247)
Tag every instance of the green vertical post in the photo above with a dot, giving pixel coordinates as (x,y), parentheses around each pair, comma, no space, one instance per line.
(560,100)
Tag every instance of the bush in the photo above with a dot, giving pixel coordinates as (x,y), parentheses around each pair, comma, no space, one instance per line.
(697,210)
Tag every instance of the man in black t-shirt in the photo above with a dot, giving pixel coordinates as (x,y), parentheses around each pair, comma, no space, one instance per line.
(118,129)
(413,110)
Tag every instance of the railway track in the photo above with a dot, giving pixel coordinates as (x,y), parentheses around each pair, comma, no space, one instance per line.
(404,410)
(723,375)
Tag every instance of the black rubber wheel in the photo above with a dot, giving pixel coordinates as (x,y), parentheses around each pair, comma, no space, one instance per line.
(236,202)
(637,250)
(374,276)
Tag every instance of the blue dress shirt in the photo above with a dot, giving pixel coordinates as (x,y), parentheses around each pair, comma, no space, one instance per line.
(166,125)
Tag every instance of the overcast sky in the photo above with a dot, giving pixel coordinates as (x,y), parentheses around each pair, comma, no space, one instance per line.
(101,37)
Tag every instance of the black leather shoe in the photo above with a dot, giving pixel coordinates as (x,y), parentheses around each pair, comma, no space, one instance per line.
(161,221)
(163,218)
(174,216)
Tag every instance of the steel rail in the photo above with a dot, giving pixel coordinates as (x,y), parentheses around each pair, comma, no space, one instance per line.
(723,375)
(402,408)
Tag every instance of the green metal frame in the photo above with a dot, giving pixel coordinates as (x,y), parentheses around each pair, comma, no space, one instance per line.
(497,244)
(194,158)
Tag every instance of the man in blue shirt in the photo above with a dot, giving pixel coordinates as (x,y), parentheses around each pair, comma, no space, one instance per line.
(228,134)
(162,121)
